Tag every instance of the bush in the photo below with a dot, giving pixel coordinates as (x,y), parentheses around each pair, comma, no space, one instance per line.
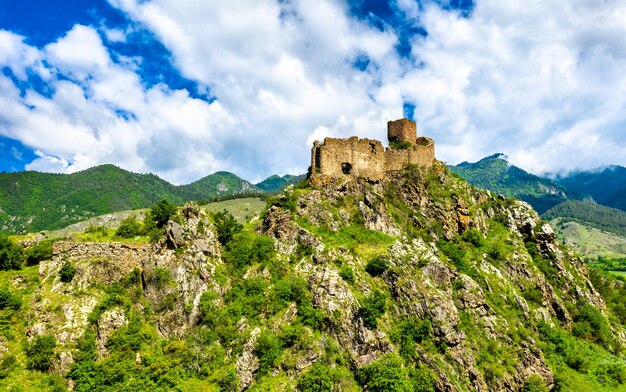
(268,349)
(373,307)
(227,226)
(535,383)
(7,364)
(39,252)
(347,273)
(160,277)
(99,230)
(39,352)
(9,300)
(385,375)
(11,255)
(318,379)
(376,266)
(129,228)
(67,272)
(611,374)
(400,145)
(591,325)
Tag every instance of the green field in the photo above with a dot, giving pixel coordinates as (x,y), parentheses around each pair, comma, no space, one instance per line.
(242,209)
(587,241)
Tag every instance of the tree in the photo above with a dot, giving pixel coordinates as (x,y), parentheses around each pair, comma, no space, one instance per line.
(227,226)
(11,255)
(161,212)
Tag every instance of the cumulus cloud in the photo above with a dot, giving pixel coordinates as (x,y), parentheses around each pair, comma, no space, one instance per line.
(541,82)
(103,114)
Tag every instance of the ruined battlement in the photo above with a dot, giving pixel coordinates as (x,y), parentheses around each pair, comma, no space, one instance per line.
(368,158)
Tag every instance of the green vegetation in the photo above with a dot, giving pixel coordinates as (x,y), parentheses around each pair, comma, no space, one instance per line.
(277,183)
(590,214)
(376,266)
(497,175)
(386,374)
(588,241)
(400,145)
(373,307)
(11,255)
(40,351)
(130,228)
(226,225)
(67,272)
(33,201)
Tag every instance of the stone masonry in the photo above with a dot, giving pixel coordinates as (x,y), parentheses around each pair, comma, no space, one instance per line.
(367,158)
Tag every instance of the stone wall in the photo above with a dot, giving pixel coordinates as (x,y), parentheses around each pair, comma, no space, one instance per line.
(126,255)
(353,156)
(367,158)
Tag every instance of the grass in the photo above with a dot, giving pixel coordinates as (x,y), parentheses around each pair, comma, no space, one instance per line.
(589,242)
(242,209)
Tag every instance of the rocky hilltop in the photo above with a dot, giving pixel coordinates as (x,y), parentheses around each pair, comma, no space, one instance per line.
(415,282)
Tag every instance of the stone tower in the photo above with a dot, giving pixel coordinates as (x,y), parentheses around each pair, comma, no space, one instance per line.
(402,130)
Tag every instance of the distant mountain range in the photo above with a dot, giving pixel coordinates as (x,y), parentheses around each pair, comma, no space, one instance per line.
(594,199)
(33,201)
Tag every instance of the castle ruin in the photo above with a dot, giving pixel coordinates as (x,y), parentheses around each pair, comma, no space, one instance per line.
(368,158)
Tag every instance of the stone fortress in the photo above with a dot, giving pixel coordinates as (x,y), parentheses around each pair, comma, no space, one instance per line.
(368,158)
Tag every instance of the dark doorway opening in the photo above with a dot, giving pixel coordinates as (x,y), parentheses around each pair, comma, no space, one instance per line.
(346,168)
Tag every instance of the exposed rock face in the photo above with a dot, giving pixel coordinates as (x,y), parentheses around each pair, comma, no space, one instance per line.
(108,322)
(180,269)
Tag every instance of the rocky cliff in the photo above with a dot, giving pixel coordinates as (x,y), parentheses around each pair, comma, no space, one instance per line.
(418,282)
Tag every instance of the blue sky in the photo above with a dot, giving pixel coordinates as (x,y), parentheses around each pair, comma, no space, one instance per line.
(186,89)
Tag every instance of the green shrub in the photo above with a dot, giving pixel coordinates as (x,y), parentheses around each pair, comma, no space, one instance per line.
(268,349)
(474,237)
(408,333)
(372,307)
(39,353)
(591,325)
(7,364)
(246,249)
(423,379)
(11,255)
(227,226)
(347,273)
(611,374)
(67,272)
(376,266)
(39,252)
(160,277)
(533,294)
(97,230)
(318,379)
(129,228)
(400,145)
(385,375)
(9,300)
(535,383)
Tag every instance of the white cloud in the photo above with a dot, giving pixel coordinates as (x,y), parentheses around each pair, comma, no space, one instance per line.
(540,81)
(46,163)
